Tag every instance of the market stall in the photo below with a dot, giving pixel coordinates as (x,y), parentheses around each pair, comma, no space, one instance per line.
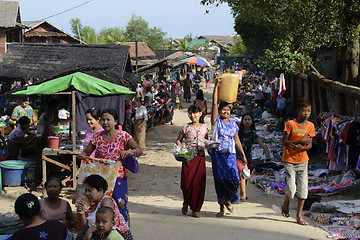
(71,85)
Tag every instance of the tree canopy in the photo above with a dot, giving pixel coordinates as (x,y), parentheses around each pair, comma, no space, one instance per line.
(153,37)
(292,30)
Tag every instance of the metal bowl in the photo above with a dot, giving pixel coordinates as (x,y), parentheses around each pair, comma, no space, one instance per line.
(212,144)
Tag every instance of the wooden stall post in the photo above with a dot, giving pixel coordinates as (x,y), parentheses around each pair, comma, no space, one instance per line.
(73,111)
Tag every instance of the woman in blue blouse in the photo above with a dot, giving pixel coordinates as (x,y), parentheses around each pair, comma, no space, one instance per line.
(224,165)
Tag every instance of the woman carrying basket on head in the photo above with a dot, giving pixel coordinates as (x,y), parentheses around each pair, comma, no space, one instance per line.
(193,173)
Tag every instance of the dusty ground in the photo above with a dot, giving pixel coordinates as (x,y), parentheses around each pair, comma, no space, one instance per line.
(155,201)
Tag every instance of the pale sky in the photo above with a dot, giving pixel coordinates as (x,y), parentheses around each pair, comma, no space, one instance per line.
(175,17)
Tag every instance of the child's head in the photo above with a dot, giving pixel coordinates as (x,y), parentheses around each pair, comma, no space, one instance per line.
(105,220)
(304,109)
(277,114)
(24,122)
(200,95)
(27,206)
(194,113)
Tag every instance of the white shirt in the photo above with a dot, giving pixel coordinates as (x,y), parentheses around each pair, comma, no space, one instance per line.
(141,113)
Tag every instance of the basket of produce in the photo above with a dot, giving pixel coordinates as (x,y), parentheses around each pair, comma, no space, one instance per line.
(184,155)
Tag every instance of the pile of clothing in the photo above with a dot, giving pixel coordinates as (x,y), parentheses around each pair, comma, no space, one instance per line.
(341,219)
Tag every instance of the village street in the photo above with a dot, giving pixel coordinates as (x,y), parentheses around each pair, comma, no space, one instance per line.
(155,200)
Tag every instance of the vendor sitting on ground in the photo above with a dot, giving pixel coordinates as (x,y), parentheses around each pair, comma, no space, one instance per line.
(17,140)
(279,123)
(257,111)
(24,109)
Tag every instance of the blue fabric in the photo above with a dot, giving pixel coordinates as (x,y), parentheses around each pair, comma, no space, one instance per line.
(120,195)
(341,153)
(226,133)
(257,113)
(226,176)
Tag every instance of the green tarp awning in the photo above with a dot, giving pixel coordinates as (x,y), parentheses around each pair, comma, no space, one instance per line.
(80,81)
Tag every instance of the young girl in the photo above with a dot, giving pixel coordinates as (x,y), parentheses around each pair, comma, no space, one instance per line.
(226,176)
(201,102)
(193,173)
(27,207)
(247,136)
(93,116)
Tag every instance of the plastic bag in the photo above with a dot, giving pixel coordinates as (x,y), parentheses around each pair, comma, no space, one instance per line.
(245,173)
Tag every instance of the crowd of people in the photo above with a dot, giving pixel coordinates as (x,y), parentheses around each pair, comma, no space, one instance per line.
(108,217)
(235,146)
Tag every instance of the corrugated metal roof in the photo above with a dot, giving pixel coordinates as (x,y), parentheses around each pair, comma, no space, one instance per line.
(8,14)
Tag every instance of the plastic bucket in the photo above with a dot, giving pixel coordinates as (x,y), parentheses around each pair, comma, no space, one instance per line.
(14,172)
(54,142)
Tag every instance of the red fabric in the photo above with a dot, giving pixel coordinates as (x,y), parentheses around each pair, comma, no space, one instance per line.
(240,165)
(193,179)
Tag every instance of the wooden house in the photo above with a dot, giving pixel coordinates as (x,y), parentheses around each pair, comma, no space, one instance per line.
(10,24)
(44,32)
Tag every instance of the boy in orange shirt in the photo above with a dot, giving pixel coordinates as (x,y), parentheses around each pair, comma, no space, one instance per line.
(297,139)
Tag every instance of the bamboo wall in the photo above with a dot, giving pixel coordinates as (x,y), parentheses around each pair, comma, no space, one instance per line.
(326,95)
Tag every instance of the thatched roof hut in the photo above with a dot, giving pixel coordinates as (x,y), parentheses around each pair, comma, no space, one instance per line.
(44,61)
(143,50)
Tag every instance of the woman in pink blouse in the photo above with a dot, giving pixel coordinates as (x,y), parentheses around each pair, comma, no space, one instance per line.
(193,173)
(93,116)
(114,144)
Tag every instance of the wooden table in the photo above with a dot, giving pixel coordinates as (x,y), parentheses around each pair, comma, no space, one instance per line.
(58,152)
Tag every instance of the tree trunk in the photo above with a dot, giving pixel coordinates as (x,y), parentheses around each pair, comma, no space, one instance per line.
(350,62)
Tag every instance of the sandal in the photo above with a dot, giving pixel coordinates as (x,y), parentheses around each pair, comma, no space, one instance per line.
(285,213)
(229,207)
(220,214)
(243,199)
(196,215)
(184,209)
(302,222)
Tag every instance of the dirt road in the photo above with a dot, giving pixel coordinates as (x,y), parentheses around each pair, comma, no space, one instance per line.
(155,200)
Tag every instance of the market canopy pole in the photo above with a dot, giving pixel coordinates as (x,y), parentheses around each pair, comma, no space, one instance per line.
(73,112)
(73,108)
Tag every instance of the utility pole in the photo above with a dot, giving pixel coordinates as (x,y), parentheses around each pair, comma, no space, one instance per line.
(136,54)
(77,26)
